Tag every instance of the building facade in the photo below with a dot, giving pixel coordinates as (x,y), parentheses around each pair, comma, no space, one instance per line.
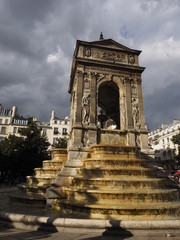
(55,128)
(160,141)
(11,122)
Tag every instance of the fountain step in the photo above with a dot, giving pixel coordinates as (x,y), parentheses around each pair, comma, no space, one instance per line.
(116,162)
(125,183)
(33,189)
(140,211)
(46,171)
(33,199)
(114,196)
(116,171)
(52,163)
(40,180)
(99,151)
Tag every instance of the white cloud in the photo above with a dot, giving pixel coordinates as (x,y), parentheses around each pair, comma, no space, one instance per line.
(51,58)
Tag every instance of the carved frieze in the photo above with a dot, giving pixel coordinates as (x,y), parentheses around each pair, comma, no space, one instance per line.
(109,56)
(104,54)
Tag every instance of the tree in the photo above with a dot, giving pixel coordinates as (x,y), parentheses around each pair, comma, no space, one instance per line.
(176,140)
(61,143)
(24,153)
(34,147)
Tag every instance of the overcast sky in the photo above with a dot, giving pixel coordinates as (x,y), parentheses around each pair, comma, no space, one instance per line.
(37,40)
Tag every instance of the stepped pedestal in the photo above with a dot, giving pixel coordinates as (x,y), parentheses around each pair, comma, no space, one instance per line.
(116,182)
(34,191)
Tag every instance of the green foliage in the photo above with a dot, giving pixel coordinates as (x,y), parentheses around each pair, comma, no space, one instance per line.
(23,154)
(61,143)
(176,140)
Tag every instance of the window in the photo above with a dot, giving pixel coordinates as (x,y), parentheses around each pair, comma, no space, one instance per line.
(55,130)
(3,130)
(6,121)
(15,130)
(0,120)
(55,122)
(64,131)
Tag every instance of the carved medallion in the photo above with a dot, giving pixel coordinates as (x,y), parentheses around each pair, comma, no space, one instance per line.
(87,52)
(131,59)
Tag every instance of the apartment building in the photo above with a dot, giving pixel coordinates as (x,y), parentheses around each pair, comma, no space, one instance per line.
(160,141)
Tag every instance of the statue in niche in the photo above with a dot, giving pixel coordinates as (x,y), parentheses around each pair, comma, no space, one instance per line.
(135,113)
(110,124)
(85,108)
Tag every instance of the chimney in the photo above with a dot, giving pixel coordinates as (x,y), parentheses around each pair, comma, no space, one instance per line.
(14,109)
(53,115)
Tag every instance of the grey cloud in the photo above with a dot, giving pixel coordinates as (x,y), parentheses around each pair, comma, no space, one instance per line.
(32,30)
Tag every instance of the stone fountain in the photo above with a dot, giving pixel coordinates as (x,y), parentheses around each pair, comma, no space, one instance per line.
(110,171)
(108,180)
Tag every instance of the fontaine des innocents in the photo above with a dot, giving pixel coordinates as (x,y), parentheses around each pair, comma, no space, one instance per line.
(110,171)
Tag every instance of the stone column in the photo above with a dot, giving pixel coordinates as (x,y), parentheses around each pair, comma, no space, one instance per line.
(92,129)
(122,109)
(78,116)
(141,107)
(76,135)
(93,107)
(128,104)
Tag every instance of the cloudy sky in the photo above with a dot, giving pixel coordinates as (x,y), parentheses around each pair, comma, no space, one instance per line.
(37,40)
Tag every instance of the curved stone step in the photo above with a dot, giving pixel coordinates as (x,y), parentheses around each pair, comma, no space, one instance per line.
(40,180)
(114,196)
(100,150)
(116,162)
(116,171)
(126,183)
(33,189)
(33,199)
(123,211)
(47,171)
(52,163)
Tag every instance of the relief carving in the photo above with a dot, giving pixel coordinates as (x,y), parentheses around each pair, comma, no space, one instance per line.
(86,81)
(85,108)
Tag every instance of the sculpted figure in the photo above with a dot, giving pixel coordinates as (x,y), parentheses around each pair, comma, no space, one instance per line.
(85,108)
(135,113)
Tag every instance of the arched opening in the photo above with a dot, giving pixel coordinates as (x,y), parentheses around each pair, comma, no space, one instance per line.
(108,105)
